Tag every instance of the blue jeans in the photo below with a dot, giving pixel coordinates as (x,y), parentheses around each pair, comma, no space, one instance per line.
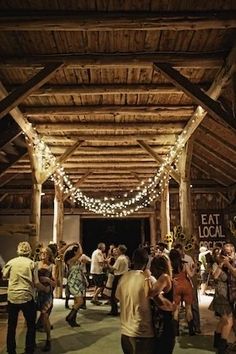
(29,312)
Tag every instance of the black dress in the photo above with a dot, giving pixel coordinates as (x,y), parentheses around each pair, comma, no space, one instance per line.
(165,342)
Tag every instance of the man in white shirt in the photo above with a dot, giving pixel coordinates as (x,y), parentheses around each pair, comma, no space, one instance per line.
(120,266)
(137,336)
(97,266)
(22,273)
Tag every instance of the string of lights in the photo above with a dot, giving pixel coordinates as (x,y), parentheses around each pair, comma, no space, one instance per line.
(122,205)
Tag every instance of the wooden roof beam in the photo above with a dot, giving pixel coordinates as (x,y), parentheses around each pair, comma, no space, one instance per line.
(221,79)
(7,177)
(18,116)
(165,139)
(109,21)
(115,128)
(60,160)
(149,110)
(213,107)
(221,160)
(18,95)
(216,173)
(78,183)
(109,89)
(12,159)
(159,159)
(9,131)
(134,60)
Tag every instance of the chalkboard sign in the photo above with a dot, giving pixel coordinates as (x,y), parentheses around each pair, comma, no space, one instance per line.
(211,229)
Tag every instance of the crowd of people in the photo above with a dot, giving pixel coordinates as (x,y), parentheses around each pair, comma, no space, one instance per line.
(147,291)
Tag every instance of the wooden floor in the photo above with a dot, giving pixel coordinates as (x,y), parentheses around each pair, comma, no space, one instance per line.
(100,334)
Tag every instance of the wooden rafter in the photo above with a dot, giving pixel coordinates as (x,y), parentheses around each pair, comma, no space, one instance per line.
(12,159)
(134,60)
(109,89)
(151,152)
(106,21)
(221,79)
(18,95)
(223,161)
(199,96)
(9,131)
(86,128)
(60,160)
(6,178)
(18,116)
(78,183)
(166,110)
(215,173)
(164,139)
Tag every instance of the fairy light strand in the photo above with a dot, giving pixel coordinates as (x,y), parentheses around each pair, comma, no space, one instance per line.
(119,206)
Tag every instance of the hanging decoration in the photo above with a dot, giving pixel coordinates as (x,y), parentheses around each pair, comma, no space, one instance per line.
(123,205)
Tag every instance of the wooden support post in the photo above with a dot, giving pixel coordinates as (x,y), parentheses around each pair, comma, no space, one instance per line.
(184,189)
(58,222)
(35,215)
(153,229)
(165,212)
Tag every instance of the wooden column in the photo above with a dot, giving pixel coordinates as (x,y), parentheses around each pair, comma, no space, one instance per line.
(35,215)
(153,229)
(165,212)
(185,190)
(58,223)
(58,218)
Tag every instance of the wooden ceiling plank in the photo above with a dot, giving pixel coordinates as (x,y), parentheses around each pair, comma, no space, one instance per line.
(134,60)
(109,21)
(18,95)
(199,96)
(159,159)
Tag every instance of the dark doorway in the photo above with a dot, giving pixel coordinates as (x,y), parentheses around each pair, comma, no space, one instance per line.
(125,231)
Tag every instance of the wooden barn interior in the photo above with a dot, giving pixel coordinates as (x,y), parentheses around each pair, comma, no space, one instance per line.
(116,111)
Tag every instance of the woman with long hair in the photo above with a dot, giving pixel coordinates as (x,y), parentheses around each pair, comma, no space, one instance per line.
(220,303)
(46,272)
(183,290)
(77,285)
(161,270)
